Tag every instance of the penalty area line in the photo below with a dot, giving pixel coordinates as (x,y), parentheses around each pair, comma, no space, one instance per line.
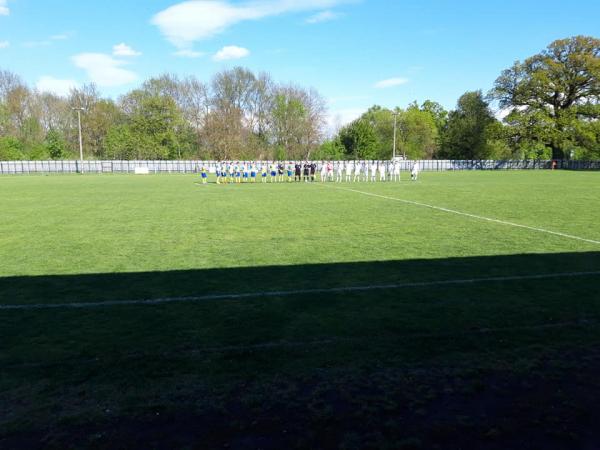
(289,293)
(472,216)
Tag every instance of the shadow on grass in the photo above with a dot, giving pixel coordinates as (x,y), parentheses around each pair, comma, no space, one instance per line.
(456,360)
(152,285)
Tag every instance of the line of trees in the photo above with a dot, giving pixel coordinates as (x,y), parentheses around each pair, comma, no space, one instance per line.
(550,103)
(238,115)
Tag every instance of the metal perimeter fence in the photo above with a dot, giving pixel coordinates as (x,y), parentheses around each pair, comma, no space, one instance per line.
(162,167)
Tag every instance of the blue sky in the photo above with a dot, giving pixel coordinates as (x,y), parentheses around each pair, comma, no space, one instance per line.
(356,53)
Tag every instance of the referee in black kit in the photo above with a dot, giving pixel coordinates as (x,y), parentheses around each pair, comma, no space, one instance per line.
(313,171)
(298,172)
(306,172)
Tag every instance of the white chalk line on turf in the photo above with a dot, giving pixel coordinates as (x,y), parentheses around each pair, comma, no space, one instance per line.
(473,216)
(288,293)
(283,344)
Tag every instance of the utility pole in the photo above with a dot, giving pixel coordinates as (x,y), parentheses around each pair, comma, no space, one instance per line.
(395,126)
(80,138)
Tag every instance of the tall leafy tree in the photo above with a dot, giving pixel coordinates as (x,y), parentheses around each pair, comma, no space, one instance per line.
(11,148)
(331,149)
(417,133)
(382,122)
(120,144)
(555,95)
(437,111)
(156,123)
(288,117)
(467,131)
(297,118)
(55,144)
(238,114)
(224,133)
(359,140)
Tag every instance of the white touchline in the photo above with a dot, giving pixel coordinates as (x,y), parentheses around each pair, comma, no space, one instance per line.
(473,216)
(332,290)
(582,322)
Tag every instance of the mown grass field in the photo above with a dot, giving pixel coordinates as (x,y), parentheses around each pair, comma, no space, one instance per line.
(483,364)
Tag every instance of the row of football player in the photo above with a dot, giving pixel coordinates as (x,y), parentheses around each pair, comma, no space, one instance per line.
(232,172)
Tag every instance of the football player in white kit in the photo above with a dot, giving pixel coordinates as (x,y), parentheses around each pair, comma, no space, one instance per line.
(339,173)
(396,170)
(349,170)
(374,171)
(382,170)
(414,174)
(329,171)
(323,172)
(357,170)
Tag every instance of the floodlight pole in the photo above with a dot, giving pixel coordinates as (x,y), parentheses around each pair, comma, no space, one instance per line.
(80,138)
(395,125)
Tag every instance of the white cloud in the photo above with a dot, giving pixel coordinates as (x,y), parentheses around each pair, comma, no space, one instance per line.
(336,119)
(34,44)
(391,82)
(123,49)
(186,53)
(323,16)
(231,52)
(47,42)
(194,20)
(104,70)
(4,11)
(348,98)
(4,44)
(55,86)
(349,114)
(503,113)
(59,37)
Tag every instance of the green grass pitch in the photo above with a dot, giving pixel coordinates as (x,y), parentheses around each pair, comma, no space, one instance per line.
(306,355)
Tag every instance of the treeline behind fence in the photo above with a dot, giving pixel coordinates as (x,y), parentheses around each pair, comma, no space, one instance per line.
(63,167)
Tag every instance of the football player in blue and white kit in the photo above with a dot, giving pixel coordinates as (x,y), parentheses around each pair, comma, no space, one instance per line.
(224,172)
(246,171)
(204,173)
(231,171)
(238,173)
(218,172)
(263,172)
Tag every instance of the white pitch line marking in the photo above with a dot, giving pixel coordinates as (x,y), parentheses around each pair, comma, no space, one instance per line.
(473,216)
(287,293)
(583,322)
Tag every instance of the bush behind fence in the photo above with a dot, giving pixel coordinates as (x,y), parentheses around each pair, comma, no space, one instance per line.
(48,167)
